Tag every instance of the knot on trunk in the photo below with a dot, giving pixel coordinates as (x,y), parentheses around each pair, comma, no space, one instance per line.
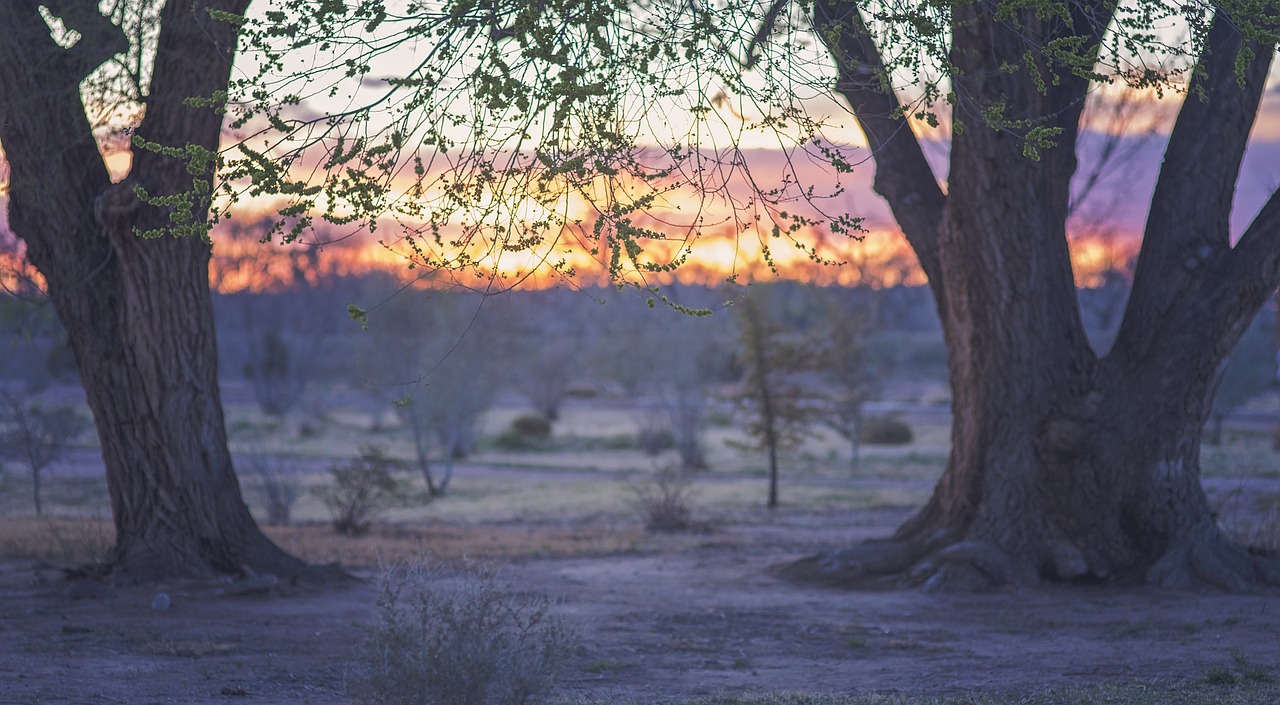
(116,204)
(1064,438)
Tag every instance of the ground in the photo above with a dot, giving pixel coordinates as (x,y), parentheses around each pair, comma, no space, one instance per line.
(662,617)
(684,617)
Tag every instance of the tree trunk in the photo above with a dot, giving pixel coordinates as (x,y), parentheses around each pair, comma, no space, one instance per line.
(137,311)
(35,491)
(1064,465)
(855,448)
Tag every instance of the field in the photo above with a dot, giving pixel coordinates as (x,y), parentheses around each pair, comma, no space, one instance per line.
(692,616)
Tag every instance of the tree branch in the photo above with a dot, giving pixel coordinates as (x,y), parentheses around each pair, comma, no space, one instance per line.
(903,175)
(1196,185)
(100,39)
(194,53)
(1254,265)
(40,105)
(1186,244)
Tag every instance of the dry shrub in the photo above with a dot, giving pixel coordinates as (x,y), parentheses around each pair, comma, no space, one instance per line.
(467,640)
(1263,533)
(79,540)
(362,490)
(885,430)
(279,487)
(663,501)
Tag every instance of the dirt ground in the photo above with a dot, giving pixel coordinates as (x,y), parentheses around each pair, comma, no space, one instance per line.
(701,616)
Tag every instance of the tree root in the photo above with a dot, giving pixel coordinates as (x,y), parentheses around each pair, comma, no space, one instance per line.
(872,564)
(965,566)
(1211,560)
(262,563)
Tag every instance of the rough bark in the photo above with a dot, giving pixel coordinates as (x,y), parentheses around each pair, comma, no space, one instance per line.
(1064,465)
(137,311)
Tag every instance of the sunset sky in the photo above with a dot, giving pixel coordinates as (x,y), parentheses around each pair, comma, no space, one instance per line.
(1106,230)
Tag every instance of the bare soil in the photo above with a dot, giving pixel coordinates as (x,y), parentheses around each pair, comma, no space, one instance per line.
(676,619)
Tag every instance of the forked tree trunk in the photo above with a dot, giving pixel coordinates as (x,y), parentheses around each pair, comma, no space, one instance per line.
(1065,465)
(137,311)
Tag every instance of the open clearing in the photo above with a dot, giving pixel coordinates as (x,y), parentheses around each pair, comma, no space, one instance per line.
(679,617)
(662,617)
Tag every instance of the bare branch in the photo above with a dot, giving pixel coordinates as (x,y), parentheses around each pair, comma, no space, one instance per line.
(763,31)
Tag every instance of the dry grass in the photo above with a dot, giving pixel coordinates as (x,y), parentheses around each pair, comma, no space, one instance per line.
(513,514)
(57,540)
(450,542)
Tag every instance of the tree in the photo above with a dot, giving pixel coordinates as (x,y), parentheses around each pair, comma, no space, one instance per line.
(848,376)
(136,306)
(781,405)
(35,436)
(536,127)
(1066,464)
(438,358)
(286,327)
(671,365)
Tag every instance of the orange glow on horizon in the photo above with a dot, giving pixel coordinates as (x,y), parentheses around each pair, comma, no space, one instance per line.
(881,259)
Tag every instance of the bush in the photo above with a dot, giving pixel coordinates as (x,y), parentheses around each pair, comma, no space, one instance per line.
(279,487)
(528,432)
(532,427)
(362,490)
(465,641)
(885,431)
(654,440)
(663,501)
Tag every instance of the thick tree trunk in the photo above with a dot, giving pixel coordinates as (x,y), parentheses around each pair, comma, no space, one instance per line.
(1065,466)
(137,311)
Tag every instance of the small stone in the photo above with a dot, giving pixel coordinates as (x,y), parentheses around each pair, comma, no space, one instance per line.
(161,601)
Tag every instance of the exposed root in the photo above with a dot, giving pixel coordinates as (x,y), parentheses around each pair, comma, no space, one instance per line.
(937,565)
(261,564)
(991,560)
(958,577)
(872,564)
(1212,561)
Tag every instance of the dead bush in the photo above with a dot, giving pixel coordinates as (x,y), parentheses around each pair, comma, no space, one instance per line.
(441,639)
(663,501)
(362,490)
(279,487)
